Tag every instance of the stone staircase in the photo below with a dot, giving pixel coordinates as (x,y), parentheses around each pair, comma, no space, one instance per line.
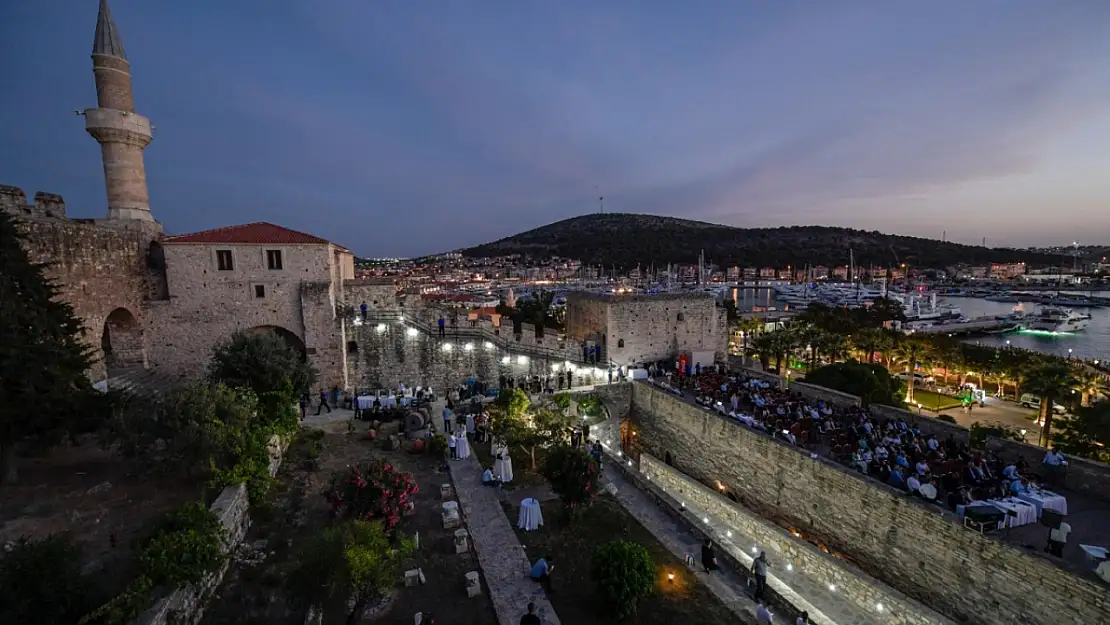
(147,382)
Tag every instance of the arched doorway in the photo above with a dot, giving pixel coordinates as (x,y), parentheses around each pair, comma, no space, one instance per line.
(122,342)
(290,338)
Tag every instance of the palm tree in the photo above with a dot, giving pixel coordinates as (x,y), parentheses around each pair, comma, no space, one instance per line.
(869,341)
(1088,383)
(749,329)
(1048,380)
(908,350)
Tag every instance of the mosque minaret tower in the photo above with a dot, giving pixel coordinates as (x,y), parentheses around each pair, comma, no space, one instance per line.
(121,132)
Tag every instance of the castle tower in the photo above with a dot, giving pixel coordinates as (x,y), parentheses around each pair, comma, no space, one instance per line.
(121,132)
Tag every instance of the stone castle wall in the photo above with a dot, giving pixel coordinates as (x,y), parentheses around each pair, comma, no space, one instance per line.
(923,552)
(828,395)
(103,272)
(637,329)
(782,547)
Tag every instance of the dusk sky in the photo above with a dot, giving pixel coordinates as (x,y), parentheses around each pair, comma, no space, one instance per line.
(404,128)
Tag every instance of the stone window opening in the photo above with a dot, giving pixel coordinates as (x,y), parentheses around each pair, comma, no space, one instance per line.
(224,260)
(620,343)
(273,260)
(681,317)
(352,347)
(260,290)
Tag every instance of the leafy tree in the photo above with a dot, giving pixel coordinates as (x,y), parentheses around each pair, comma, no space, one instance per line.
(911,351)
(263,363)
(351,559)
(623,573)
(1086,433)
(591,405)
(514,401)
(41,582)
(574,476)
(43,360)
(1049,380)
(873,384)
(871,340)
(1088,383)
(562,401)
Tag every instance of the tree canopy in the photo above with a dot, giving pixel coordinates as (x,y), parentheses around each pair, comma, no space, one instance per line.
(262,362)
(42,357)
(873,384)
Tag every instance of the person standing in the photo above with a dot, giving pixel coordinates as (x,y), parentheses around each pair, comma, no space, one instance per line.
(1057,538)
(442,330)
(531,618)
(305,401)
(759,571)
(323,403)
(708,556)
(451,444)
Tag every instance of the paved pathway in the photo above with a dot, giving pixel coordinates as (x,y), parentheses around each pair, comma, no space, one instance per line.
(503,559)
(824,606)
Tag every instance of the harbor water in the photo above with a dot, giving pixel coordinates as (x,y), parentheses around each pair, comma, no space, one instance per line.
(1092,343)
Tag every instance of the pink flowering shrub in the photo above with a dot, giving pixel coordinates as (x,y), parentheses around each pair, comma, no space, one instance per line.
(372,491)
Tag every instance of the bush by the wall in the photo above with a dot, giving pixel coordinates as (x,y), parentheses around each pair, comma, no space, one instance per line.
(41,582)
(623,573)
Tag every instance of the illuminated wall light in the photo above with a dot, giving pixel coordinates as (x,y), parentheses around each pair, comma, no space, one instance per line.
(789,567)
(705,520)
(619,453)
(489,346)
(629,463)
(411,332)
(469,347)
(505,360)
(522,360)
(728,533)
(380,328)
(879,607)
(832,587)
(448,347)
(357,321)
(755,550)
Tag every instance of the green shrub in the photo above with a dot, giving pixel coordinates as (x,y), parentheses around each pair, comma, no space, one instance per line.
(623,573)
(562,401)
(184,548)
(41,582)
(591,405)
(437,446)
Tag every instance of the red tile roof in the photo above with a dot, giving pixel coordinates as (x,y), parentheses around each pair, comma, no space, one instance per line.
(257,233)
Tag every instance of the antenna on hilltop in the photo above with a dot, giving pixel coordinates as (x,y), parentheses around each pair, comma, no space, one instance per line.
(601,201)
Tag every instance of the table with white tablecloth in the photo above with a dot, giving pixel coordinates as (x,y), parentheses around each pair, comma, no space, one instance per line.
(1046,500)
(470,424)
(1024,513)
(462,446)
(502,464)
(531,518)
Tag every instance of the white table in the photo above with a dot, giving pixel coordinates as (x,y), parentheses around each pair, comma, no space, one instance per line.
(1046,500)
(1024,513)
(469,424)
(462,446)
(1095,555)
(503,464)
(531,518)
(365,402)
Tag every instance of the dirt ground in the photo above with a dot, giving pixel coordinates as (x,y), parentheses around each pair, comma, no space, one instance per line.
(252,594)
(94,496)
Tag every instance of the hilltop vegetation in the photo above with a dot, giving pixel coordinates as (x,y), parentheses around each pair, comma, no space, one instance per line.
(624,240)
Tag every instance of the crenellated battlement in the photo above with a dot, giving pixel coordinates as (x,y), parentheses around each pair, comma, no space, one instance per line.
(13,200)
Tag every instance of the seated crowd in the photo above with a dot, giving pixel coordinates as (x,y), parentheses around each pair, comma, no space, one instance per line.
(946,472)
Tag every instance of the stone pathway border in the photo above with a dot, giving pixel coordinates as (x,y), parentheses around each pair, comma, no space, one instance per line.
(503,559)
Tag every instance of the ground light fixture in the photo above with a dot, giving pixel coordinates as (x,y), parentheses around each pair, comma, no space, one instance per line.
(380,328)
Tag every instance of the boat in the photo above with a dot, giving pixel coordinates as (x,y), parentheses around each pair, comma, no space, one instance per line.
(1057,320)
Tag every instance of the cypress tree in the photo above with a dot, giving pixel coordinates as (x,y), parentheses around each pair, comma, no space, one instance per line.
(45,393)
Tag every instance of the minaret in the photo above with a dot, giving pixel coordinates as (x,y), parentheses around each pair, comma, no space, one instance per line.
(121,132)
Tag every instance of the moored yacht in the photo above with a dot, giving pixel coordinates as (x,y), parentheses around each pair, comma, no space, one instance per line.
(1058,320)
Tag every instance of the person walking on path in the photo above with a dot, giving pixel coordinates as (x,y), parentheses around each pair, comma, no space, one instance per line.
(708,556)
(323,403)
(759,570)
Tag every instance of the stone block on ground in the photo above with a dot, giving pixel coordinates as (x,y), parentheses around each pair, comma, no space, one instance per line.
(446,492)
(473,584)
(462,543)
(450,520)
(412,577)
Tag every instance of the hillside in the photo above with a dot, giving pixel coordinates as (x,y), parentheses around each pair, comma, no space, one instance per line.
(627,239)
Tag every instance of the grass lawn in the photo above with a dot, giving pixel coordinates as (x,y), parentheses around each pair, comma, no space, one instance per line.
(681,601)
(935,401)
